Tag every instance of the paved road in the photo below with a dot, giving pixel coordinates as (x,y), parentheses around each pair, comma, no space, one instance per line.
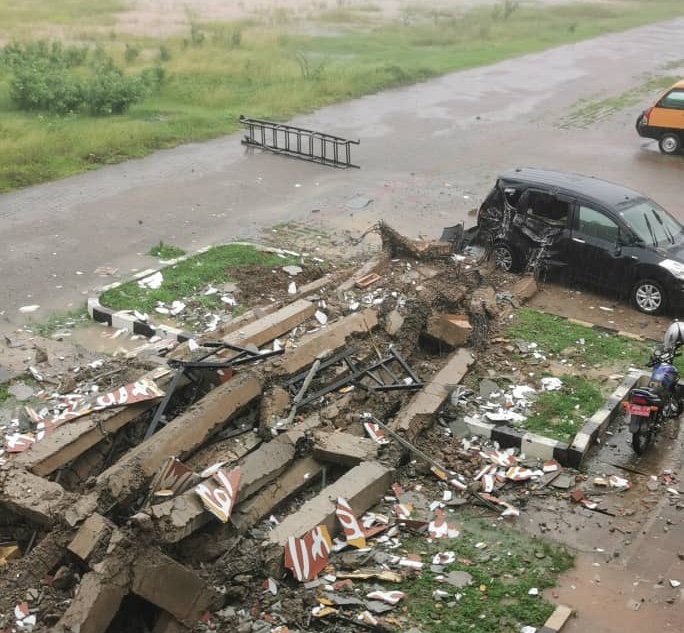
(428,154)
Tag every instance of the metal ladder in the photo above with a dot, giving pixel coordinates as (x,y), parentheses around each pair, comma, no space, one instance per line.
(298,142)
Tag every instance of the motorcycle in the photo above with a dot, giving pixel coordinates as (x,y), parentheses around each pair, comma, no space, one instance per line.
(657,401)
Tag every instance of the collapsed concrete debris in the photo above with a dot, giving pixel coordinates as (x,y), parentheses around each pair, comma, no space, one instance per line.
(242,466)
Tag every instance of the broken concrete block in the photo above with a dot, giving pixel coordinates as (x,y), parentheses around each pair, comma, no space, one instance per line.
(452,329)
(331,338)
(362,486)
(274,405)
(94,606)
(299,475)
(393,322)
(177,518)
(32,497)
(525,288)
(417,415)
(94,531)
(170,586)
(484,300)
(343,448)
(557,619)
(272,325)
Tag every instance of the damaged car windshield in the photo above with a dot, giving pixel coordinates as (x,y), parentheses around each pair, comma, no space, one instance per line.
(652,223)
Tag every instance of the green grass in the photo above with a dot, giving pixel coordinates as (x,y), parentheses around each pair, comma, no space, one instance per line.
(510,565)
(190,277)
(587,112)
(4,393)
(166,251)
(560,414)
(270,69)
(554,334)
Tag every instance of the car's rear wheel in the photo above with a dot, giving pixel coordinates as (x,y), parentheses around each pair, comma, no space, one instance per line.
(648,296)
(507,258)
(670,143)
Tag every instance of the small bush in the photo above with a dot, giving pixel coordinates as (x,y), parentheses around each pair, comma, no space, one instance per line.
(42,86)
(132,53)
(164,53)
(112,92)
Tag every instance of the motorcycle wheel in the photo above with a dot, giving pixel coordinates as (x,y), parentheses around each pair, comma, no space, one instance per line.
(642,438)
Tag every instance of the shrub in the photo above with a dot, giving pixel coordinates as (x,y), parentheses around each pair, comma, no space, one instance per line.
(112,92)
(44,86)
(164,53)
(131,54)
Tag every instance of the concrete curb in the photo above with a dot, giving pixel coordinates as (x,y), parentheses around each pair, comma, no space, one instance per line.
(531,444)
(534,445)
(595,426)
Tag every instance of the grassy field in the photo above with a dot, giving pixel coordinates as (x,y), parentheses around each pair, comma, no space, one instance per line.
(271,68)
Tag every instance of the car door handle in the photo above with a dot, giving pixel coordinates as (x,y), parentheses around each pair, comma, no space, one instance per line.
(577,239)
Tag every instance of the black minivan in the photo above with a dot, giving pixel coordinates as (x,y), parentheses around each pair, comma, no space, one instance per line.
(589,231)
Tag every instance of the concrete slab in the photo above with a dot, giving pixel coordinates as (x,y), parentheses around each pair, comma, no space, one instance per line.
(90,535)
(362,486)
(343,448)
(170,586)
(180,437)
(93,607)
(417,415)
(557,619)
(32,497)
(179,517)
(272,325)
(297,477)
(330,338)
(452,329)
(71,440)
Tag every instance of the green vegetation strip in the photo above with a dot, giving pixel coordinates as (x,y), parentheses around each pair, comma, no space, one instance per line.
(503,574)
(190,278)
(587,112)
(195,86)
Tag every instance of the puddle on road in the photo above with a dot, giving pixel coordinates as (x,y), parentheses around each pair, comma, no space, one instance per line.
(101,339)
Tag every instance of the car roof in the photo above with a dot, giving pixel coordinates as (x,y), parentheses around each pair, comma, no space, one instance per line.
(679,84)
(570,183)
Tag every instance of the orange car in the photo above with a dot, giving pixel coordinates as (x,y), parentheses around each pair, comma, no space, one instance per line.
(664,120)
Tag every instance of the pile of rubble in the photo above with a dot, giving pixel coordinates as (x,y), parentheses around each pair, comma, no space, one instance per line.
(207,491)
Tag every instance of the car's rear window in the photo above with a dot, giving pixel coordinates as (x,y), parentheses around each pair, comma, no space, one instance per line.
(651,222)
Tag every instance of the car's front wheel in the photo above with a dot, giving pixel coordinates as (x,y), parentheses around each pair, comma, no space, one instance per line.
(669,143)
(648,296)
(507,258)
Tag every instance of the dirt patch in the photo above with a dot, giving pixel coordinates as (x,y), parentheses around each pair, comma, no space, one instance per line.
(259,285)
